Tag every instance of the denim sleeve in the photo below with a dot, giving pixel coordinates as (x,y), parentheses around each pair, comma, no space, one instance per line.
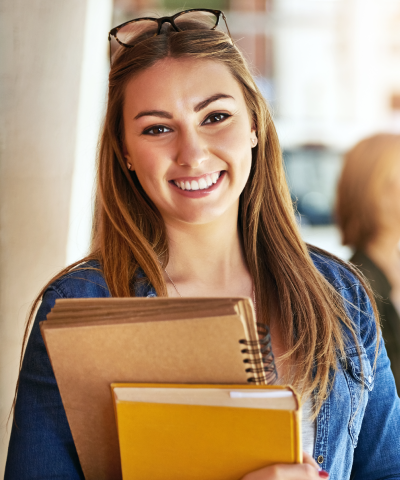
(41,444)
(377,455)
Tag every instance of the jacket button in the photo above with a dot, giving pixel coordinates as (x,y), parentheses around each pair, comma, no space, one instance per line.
(320,459)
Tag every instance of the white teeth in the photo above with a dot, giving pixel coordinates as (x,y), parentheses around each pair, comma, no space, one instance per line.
(214,177)
(202,183)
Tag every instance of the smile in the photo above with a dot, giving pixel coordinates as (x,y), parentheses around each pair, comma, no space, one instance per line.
(202,183)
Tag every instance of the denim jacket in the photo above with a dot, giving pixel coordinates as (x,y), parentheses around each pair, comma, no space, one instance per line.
(358,426)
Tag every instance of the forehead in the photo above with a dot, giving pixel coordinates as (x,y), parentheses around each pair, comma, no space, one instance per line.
(180,82)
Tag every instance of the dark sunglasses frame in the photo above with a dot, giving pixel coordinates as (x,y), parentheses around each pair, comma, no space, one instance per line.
(160,21)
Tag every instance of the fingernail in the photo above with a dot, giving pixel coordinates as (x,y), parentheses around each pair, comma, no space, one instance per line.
(323,474)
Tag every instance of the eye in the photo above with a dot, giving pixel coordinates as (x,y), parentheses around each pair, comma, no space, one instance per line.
(216,118)
(156,130)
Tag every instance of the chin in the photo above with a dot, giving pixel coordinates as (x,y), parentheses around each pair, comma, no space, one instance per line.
(194,217)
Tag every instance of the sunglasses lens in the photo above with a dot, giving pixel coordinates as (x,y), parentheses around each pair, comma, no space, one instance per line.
(140,30)
(131,34)
(199,20)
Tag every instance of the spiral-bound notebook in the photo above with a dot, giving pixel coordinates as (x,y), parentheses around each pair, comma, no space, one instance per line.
(95,342)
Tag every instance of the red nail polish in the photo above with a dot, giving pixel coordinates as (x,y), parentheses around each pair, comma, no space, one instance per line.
(323,474)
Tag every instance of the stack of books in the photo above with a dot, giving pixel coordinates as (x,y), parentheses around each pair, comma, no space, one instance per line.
(165,388)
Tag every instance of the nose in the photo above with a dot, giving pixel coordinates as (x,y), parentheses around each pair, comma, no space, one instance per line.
(192,150)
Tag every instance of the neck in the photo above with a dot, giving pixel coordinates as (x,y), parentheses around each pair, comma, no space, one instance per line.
(208,259)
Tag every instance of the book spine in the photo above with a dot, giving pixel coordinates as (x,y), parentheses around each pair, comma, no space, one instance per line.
(260,358)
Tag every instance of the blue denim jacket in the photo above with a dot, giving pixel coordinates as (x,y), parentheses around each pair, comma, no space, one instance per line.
(358,430)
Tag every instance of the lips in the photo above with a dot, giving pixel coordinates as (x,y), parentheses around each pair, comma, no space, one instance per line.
(201,183)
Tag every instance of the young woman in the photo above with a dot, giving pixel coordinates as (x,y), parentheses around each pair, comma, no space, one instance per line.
(192,201)
(368,212)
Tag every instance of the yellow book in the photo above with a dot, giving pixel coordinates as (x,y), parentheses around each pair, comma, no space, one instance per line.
(204,432)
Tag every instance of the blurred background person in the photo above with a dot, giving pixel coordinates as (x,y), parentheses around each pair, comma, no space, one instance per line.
(368,214)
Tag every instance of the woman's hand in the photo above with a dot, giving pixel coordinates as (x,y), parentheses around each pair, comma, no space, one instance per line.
(309,470)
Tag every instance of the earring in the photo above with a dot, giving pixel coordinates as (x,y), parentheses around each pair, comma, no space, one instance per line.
(129,166)
(254,141)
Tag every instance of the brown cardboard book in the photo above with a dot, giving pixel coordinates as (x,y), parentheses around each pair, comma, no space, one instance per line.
(95,342)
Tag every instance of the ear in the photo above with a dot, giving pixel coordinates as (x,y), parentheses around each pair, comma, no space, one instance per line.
(128,160)
(253,137)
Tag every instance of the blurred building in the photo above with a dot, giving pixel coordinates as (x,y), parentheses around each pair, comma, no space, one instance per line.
(336,79)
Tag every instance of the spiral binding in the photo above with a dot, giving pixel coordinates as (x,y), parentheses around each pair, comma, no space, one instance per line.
(264,368)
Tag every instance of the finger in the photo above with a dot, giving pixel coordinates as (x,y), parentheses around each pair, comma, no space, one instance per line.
(308,459)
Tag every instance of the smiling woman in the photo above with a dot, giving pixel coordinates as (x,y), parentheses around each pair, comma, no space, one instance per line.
(190,179)
(201,149)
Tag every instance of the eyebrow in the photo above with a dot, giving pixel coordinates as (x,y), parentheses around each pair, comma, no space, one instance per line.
(200,106)
(209,100)
(153,113)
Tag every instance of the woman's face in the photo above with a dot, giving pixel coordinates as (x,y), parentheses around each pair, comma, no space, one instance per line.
(188,136)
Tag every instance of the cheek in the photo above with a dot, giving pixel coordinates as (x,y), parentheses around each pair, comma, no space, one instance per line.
(245,171)
(149,165)
(241,153)
(150,173)
(234,144)
(238,137)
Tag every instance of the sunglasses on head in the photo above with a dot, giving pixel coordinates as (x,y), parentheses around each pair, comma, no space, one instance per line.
(128,33)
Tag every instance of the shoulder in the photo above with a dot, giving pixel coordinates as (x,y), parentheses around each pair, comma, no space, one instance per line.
(84,281)
(356,301)
(335,271)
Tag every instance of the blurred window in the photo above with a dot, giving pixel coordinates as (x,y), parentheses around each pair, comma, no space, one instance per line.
(312,173)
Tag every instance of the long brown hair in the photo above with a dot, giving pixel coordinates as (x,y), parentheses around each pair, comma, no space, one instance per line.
(366,171)
(129,232)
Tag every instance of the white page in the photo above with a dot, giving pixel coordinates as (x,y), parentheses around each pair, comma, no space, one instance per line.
(275,399)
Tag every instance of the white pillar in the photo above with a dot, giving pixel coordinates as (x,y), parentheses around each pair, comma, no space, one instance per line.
(92,103)
(42,47)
